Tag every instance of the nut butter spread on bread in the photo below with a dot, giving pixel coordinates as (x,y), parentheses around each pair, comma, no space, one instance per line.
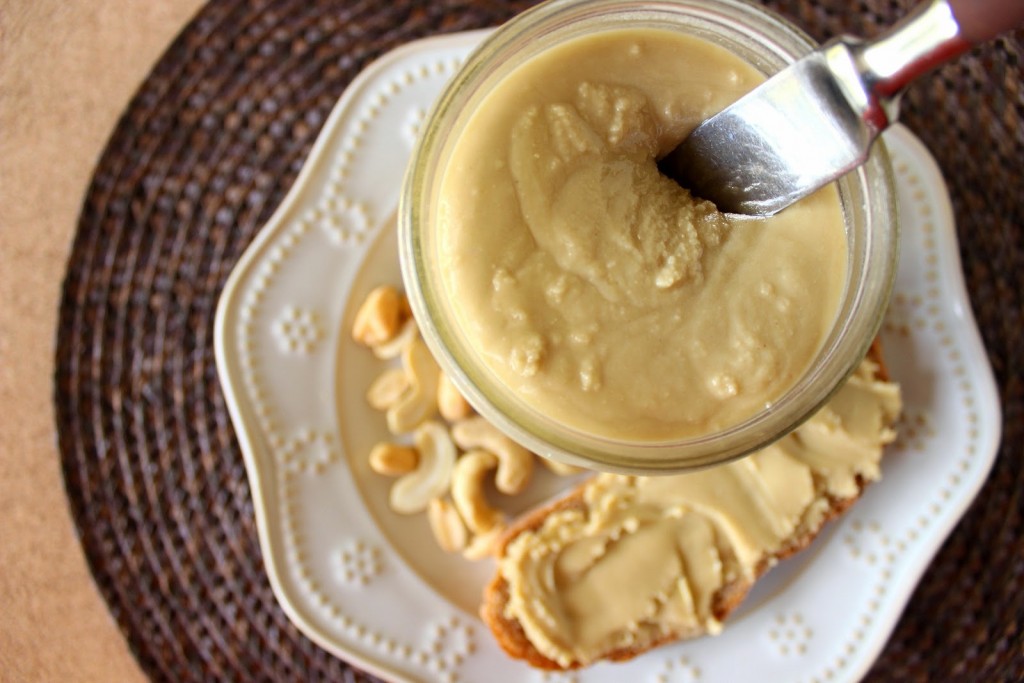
(623,564)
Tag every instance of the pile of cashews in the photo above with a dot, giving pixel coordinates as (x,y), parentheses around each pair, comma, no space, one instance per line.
(443,471)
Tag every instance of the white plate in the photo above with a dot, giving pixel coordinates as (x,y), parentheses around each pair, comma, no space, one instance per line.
(371,587)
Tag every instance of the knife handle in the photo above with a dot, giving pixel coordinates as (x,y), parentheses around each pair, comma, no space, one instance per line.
(925,38)
(982,20)
(933,33)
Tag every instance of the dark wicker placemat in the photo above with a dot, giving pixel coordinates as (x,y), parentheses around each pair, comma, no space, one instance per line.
(204,153)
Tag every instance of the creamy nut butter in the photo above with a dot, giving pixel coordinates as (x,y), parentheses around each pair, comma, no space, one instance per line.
(599,291)
(643,557)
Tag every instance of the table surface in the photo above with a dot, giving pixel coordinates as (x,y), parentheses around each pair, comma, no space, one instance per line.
(67,70)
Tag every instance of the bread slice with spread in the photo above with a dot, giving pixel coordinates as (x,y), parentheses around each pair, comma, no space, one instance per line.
(623,564)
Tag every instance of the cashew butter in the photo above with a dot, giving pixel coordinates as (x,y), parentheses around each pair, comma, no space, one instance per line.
(599,291)
(642,558)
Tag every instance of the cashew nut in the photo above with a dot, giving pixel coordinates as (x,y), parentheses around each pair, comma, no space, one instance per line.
(387,389)
(450,402)
(419,402)
(392,459)
(379,318)
(448,527)
(515,463)
(412,493)
(468,492)
(485,544)
(393,348)
(560,468)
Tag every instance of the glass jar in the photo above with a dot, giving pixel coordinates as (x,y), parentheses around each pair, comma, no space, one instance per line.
(768,43)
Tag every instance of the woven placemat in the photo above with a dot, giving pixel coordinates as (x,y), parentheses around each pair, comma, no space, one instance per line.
(202,156)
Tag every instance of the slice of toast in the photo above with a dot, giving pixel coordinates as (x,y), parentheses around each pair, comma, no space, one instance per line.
(832,495)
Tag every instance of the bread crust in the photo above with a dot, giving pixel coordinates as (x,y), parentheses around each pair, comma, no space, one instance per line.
(513,640)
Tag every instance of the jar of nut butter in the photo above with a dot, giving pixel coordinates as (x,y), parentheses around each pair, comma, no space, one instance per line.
(590,307)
